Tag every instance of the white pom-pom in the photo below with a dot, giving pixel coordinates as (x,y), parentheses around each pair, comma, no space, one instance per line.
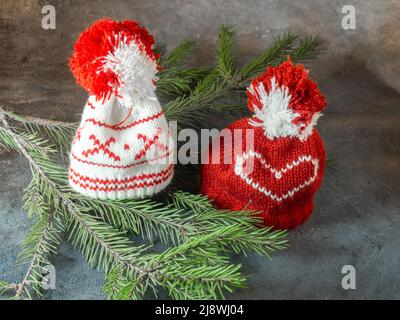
(135,70)
(275,116)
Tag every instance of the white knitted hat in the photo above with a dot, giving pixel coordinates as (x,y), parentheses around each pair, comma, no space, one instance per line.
(123,147)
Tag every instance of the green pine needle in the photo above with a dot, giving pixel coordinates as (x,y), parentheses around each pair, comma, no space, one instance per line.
(307,49)
(248,237)
(60,132)
(226,51)
(178,54)
(41,242)
(6,288)
(280,49)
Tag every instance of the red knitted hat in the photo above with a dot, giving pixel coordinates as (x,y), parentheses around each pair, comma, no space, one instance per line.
(279,171)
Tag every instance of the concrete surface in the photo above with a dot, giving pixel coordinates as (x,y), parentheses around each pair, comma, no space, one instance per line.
(356,220)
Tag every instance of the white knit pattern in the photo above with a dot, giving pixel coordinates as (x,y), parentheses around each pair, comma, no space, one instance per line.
(242,170)
(121,152)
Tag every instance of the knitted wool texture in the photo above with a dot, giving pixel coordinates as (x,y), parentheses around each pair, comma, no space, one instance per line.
(123,147)
(279,171)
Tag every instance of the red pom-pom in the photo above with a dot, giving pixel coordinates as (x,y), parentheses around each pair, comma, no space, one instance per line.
(303,96)
(98,41)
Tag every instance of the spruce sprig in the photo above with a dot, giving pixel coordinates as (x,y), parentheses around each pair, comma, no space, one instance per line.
(178,54)
(6,287)
(281,48)
(108,248)
(40,243)
(226,51)
(248,238)
(218,90)
(60,132)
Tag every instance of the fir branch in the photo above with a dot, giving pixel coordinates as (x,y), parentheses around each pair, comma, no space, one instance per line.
(173,80)
(144,217)
(183,109)
(7,287)
(60,132)
(41,242)
(107,241)
(307,49)
(190,215)
(25,143)
(102,245)
(178,54)
(147,218)
(118,286)
(142,270)
(235,110)
(43,238)
(179,82)
(280,49)
(184,268)
(209,280)
(203,282)
(248,237)
(194,110)
(7,141)
(40,121)
(186,109)
(106,247)
(225,51)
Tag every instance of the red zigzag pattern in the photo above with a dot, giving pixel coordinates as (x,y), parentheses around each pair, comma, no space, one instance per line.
(119,128)
(105,165)
(140,177)
(125,187)
(101,146)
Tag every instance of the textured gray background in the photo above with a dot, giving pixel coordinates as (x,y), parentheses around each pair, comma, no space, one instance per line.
(356,220)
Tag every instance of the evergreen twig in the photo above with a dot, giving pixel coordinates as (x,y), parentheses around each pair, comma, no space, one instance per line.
(226,51)
(107,248)
(178,54)
(40,243)
(195,110)
(281,48)
(61,132)
(7,287)
(247,238)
